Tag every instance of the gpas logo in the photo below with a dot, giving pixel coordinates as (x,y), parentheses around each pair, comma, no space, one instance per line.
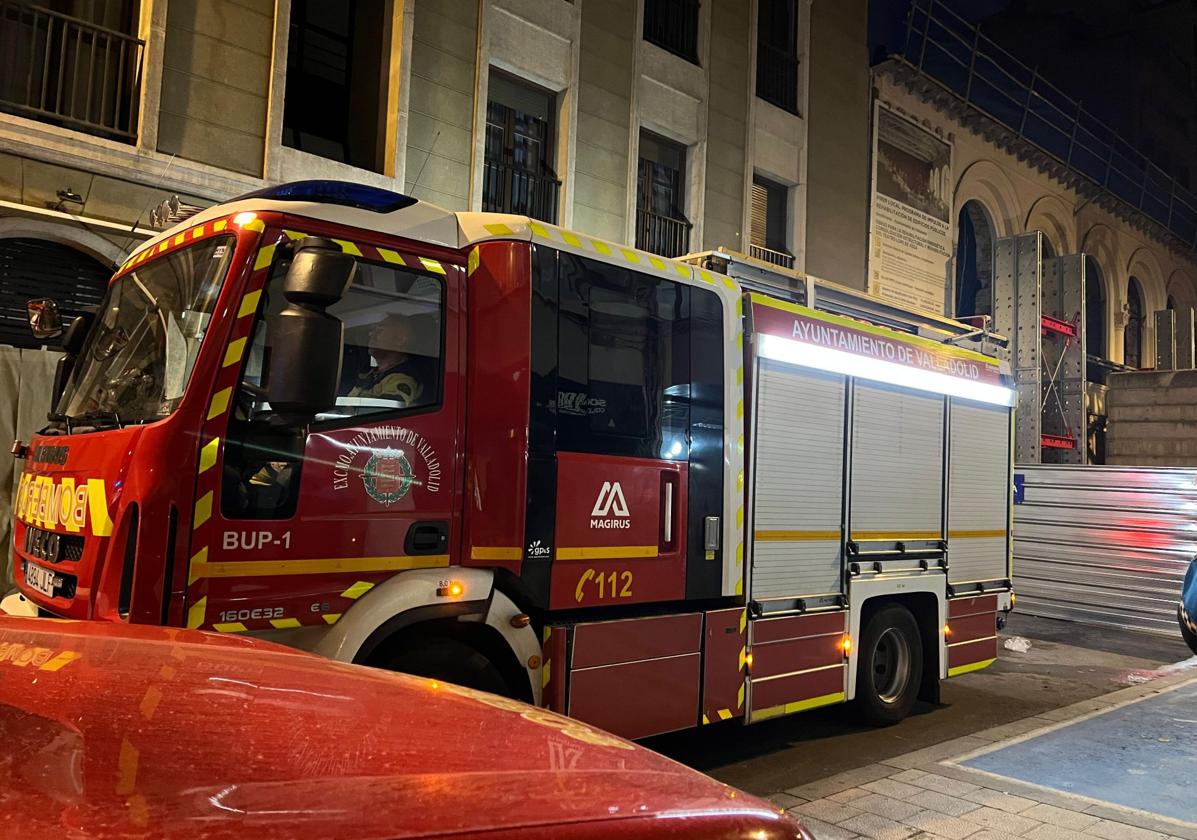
(611,507)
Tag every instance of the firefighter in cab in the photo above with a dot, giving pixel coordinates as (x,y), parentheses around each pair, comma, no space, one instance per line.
(400,374)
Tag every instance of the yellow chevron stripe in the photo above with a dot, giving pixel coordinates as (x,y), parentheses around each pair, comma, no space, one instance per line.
(207,458)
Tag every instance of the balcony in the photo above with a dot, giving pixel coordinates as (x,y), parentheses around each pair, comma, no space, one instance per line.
(507,188)
(777,77)
(662,235)
(69,72)
(769,255)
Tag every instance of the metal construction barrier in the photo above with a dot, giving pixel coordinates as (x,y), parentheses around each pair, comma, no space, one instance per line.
(1107,546)
(26,379)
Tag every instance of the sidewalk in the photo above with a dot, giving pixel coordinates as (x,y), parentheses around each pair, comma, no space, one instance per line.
(1118,767)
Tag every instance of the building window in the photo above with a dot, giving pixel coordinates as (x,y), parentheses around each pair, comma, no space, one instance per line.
(777,53)
(78,66)
(1132,339)
(661,227)
(768,231)
(673,25)
(518,176)
(336,96)
(1095,310)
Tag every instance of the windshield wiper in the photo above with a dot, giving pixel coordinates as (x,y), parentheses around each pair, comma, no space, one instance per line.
(96,417)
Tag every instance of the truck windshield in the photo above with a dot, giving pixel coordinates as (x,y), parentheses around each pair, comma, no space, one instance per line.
(138,357)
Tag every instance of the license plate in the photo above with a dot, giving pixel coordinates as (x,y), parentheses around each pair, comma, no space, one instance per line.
(41,580)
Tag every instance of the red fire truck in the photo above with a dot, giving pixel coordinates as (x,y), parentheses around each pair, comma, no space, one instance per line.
(646,492)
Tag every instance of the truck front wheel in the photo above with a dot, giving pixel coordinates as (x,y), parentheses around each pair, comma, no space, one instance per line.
(444,658)
(889,666)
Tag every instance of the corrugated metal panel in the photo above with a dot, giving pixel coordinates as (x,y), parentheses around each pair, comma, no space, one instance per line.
(1105,545)
(897,461)
(978,492)
(799,482)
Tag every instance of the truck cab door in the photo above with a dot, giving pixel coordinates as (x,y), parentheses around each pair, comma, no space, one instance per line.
(306,521)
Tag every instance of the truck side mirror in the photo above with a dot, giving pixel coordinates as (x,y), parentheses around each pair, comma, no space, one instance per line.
(44,318)
(72,344)
(305,353)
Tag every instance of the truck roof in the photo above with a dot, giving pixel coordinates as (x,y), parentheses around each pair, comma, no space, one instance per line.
(116,729)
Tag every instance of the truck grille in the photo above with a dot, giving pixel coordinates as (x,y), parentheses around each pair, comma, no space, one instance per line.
(52,547)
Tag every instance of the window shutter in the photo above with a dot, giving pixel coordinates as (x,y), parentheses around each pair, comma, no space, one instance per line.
(760,214)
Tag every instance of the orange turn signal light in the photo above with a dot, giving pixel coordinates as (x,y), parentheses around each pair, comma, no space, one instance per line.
(846,645)
(947,631)
(451,589)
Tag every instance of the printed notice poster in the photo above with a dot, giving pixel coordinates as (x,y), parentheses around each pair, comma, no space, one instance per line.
(910,237)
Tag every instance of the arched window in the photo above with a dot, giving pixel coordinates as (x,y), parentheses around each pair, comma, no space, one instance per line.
(1171,302)
(1132,339)
(974,261)
(1095,310)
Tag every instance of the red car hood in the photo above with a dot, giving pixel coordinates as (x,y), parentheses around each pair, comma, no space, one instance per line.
(111,730)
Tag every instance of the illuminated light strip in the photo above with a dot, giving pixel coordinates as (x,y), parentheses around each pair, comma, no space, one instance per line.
(836,361)
(608,552)
(336,565)
(969,668)
(496,552)
(795,536)
(798,706)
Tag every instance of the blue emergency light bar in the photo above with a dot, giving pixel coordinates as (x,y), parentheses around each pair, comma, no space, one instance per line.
(344,193)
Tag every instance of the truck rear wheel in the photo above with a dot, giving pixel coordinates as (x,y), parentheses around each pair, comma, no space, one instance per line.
(445,658)
(889,667)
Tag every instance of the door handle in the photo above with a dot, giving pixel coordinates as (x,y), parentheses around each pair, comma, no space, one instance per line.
(669,505)
(427,538)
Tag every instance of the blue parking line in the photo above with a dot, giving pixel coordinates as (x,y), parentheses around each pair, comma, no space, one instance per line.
(1142,755)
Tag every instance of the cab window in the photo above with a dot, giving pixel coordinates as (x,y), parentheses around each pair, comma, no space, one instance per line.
(391,362)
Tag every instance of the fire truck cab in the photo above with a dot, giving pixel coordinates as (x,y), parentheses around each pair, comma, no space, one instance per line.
(648,493)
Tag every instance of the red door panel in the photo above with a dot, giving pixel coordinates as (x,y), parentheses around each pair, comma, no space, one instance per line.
(621,535)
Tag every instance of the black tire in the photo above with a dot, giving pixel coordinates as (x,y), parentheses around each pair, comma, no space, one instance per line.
(1189,636)
(444,658)
(889,667)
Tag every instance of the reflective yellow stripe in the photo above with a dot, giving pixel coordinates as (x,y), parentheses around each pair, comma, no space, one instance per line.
(797,706)
(612,552)
(249,303)
(973,641)
(496,552)
(349,247)
(472,262)
(265,257)
(538,230)
(657,263)
(795,536)
(197,560)
(546,674)
(217,227)
(601,247)
(220,402)
(976,535)
(432,265)
(233,355)
(331,618)
(357,590)
(724,714)
(972,666)
(207,458)
(571,239)
(897,536)
(346,565)
(390,256)
(231,627)
(196,614)
(630,255)
(203,510)
(498,230)
(284,623)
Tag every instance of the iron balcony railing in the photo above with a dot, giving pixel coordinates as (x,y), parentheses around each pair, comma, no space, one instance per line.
(507,188)
(948,49)
(673,25)
(772,256)
(67,71)
(777,76)
(664,235)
